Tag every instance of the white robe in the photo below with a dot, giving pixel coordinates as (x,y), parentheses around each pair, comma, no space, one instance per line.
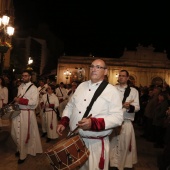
(25,124)
(3,100)
(51,118)
(123,151)
(108,106)
(61,93)
(39,110)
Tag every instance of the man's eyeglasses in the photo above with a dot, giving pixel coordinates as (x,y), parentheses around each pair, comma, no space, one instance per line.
(97,67)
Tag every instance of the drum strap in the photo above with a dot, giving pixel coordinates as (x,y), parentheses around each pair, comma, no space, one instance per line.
(26,90)
(95,96)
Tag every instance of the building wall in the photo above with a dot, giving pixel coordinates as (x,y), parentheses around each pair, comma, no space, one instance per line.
(143,65)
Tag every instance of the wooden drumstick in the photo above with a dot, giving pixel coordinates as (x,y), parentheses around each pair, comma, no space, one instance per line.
(77,127)
(13,100)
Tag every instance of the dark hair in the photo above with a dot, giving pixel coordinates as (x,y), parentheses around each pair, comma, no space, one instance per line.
(127,73)
(28,71)
(3,84)
(52,87)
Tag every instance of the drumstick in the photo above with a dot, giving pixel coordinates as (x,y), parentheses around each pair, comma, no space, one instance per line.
(77,127)
(13,100)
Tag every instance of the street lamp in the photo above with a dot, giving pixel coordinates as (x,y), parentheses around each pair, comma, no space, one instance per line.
(30,61)
(6,31)
(67,74)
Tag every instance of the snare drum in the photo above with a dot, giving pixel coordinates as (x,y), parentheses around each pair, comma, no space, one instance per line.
(68,154)
(10,111)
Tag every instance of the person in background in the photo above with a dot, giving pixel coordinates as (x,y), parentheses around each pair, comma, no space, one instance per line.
(72,90)
(49,103)
(123,151)
(42,90)
(158,117)
(3,96)
(24,128)
(61,93)
(149,114)
(106,114)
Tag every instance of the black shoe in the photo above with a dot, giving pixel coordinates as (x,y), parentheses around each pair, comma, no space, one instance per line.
(20,161)
(17,154)
(48,140)
(44,134)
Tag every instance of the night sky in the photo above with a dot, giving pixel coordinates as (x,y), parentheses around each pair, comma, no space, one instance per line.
(101,28)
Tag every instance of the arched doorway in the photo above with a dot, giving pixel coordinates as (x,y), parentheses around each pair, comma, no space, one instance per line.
(157,81)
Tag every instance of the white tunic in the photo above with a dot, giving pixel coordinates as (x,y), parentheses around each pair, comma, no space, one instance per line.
(24,130)
(61,93)
(39,110)
(3,96)
(51,118)
(3,99)
(123,151)
(108,106)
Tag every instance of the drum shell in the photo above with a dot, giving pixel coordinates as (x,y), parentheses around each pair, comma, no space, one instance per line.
(73,147)
(10,111)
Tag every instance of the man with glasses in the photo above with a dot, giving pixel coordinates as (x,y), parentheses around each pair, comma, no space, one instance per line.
(24,129)
(106,114)
(122,141)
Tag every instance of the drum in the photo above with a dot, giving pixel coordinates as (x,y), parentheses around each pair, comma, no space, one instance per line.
(10,111)
(68,154)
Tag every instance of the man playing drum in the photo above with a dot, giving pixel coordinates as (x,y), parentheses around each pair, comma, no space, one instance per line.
(106,114)
(24,130)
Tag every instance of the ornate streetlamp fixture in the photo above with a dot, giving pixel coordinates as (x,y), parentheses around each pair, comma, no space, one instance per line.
(67,74)
(30,61)
(6,31)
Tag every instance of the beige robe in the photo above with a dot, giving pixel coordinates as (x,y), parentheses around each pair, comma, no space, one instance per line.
(24,130)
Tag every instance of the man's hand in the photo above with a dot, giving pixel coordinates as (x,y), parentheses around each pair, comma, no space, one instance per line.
(126,105)
(16,99)
(85,124)
(60,129)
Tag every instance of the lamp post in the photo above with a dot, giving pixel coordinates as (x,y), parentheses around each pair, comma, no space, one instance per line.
(6,31)
(67,74)
(30,61)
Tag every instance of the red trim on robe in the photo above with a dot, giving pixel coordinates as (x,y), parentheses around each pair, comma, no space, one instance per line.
(97,124)
(23,101)
(51,105)
(65,121)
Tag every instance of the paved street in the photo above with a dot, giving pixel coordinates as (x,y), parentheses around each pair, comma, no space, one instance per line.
(147,155)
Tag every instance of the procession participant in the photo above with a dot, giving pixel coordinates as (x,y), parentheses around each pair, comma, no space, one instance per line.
(3,93)
(24,130)
(106,114)
(3,96)
(123,152)
(42,90)
(72,90)
(61,93)
(49,102)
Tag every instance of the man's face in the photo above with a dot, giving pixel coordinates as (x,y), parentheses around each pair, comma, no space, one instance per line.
(26,77)
(97,71)
(123,78)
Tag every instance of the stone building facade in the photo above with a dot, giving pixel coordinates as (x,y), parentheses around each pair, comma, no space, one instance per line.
(145,66)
